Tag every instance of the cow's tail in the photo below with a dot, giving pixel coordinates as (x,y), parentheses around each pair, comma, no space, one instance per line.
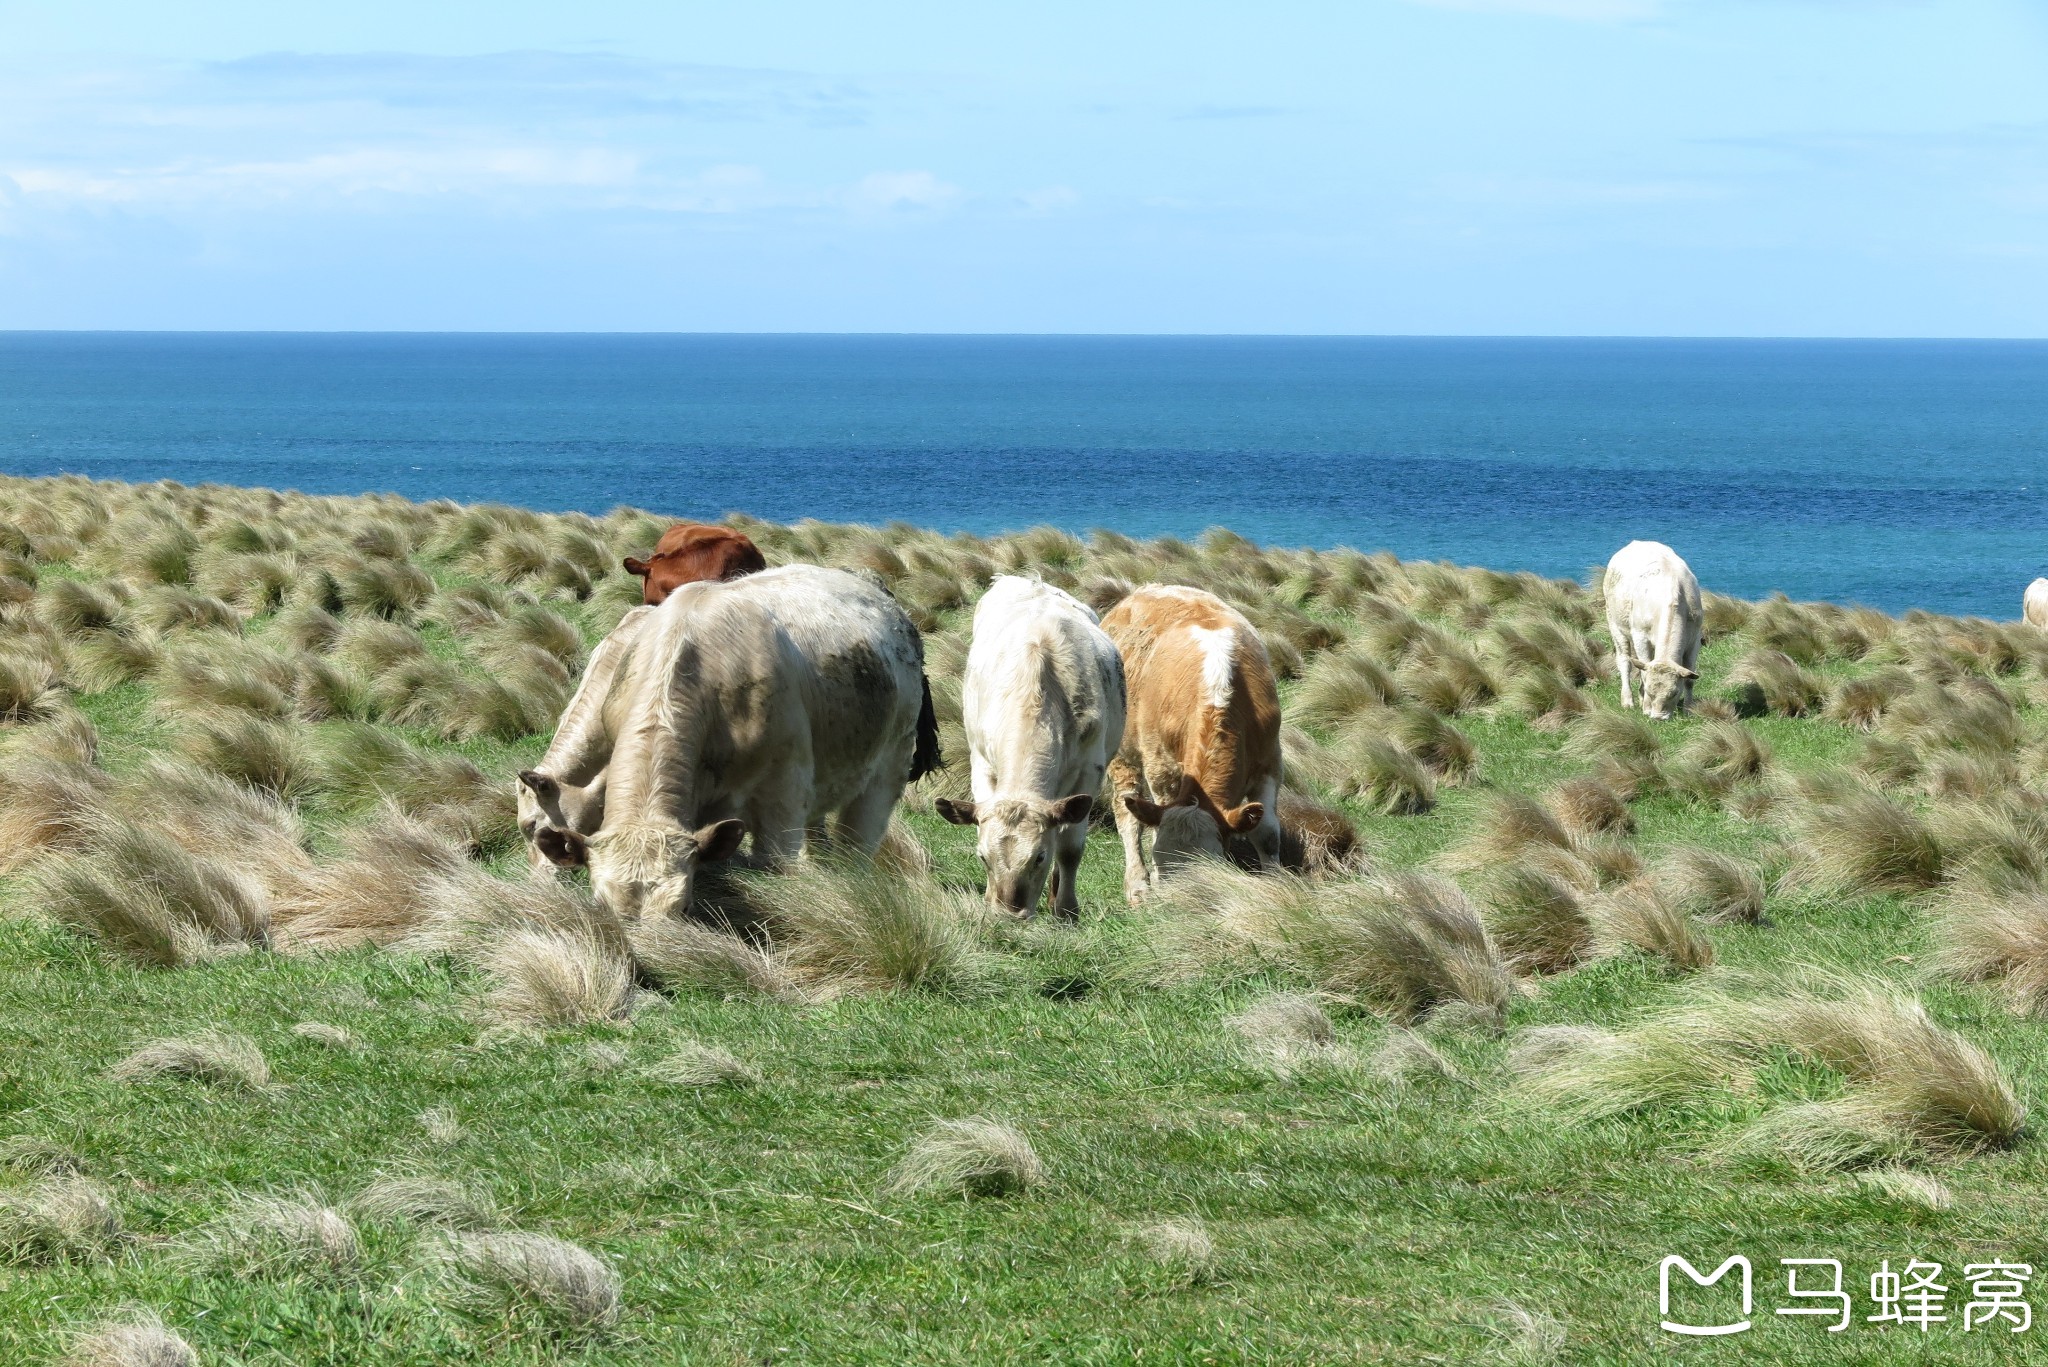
(926,759)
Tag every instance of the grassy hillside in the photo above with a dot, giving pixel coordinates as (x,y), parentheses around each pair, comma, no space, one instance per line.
(295,1058)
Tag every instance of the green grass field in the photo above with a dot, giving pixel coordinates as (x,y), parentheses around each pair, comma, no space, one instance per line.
(1400,1192)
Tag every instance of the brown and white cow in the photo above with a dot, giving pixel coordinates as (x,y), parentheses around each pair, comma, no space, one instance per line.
(1200,760)
(690,553)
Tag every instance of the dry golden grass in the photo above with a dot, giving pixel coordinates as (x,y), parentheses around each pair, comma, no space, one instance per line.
(975,1157)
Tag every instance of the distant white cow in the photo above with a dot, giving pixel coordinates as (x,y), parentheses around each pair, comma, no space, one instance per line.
(788,706)
(563,794)
(1043,703)
(2034,607)
(1654,615)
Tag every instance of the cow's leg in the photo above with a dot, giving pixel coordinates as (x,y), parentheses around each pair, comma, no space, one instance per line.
(1069,842)
(781,819)
(1266,835)
(1621,668)
(865,820)
(1124,782)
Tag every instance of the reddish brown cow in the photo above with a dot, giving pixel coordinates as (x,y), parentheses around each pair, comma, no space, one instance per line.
(1200,761)
(689,552)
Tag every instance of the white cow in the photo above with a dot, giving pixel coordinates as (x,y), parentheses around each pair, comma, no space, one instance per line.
(788,706)
(1043,703)
(564,793)
(1654,615)
(2034,607)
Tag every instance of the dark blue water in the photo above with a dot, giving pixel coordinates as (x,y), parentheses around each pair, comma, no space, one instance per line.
(1890,473)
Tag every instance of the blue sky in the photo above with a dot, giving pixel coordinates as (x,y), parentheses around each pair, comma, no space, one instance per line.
(1697,167)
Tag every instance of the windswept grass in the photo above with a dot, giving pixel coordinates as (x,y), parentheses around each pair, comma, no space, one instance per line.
(975,1157)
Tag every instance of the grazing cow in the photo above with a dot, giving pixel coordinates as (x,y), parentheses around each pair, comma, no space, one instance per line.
(2034,607)
(1043,703)
(564,793)
(1200,760)
(689,553)
(1654,615)
(787,706)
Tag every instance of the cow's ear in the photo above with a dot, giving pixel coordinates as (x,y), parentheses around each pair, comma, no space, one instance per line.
(565,849)
(1148,813)
(546,787)
(959,813)
(635,565)
(1071,809)
(720,840)
(1685,673)
(1244,818)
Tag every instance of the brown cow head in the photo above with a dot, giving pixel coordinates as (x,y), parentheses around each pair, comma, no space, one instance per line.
(1192,826)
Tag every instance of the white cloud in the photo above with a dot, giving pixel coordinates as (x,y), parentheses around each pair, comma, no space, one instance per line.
(343,174)
(1050,199)
(884,192)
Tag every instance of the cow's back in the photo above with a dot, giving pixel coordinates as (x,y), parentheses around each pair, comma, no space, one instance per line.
(1652,591)
(797,663)
(1044,688)
(1202,700)
(2034,606)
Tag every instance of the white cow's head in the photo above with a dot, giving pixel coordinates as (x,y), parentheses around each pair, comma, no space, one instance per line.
(1015,839)
(1666,688)
(551,816)
(1192,827)
(649,870)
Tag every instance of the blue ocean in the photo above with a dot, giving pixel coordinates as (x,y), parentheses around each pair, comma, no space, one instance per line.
(1898,474)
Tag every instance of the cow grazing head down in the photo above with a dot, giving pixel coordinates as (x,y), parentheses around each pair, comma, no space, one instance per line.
(689,553)
(551,813)
(650,871)
(1014,837)
(1666,688)
(1192,827)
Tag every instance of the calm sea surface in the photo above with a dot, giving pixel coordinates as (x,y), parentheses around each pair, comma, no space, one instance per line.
(1897,474)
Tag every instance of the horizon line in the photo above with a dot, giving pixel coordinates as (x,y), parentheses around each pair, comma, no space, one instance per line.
(1103,335)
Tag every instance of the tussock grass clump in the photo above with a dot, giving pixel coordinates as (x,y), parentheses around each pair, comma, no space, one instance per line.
(276,1236)
(29,685)
(1447,679)
(696,1064)
(1711,885)
(39,1157)
(328,1036)
(1771,681)
(216,1056)
(1857,839)
(470,913)
(1908,1085)
(271,755)
(1526,1338)
(1717,757)
(2001,940)
(144,895)
(1432,739)
(244,828)
(61,1219)
(66,735)
(1536,918)
(77,606)
(1589,806)
(1310,765)
(852,926)
(1610,734)
(1288,1032)
(1861,702)
(1547,699)
(1506,829)
(1903,1186)
(1339,685)
(136,1337)
(569,1288)
(555,978)
(101,660)
(419,1199)
(1386,775)
(1637,915)
(380,890)
(1181,1247)
(685,956)
(47,803)
(1408,944)
(975,1157)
